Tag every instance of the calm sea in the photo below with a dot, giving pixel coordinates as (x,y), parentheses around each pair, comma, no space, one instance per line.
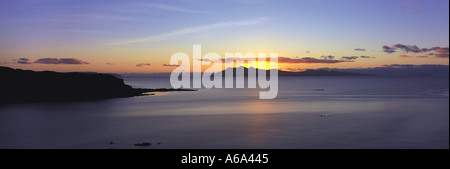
(309,112)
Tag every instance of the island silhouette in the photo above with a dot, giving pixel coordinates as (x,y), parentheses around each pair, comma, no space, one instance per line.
(309,72)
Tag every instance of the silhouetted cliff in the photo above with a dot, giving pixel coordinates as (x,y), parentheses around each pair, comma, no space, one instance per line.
(20,86)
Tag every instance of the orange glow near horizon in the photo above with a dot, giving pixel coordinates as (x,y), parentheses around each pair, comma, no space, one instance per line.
(125,60)
(130,67)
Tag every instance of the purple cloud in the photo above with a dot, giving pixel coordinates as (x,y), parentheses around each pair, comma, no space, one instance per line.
(143,64)
(437,52)
(169,65)
(388,49)
(68,61)
(349,57)
(413,49)
(367,57)
(24,61)
(441,56)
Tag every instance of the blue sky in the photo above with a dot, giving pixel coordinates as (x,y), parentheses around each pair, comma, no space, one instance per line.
(132,32)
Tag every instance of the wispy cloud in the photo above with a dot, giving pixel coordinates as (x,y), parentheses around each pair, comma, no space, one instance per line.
(68,61)
(388,49)
(143,64)
(413,49)
(82,18)
(173,8)
(349,57)
(100,17)
(80,31)
(189,30)
(367,57)
(287,60)
(295,69)
(431,55)
(410,6)
(440,52)
(169,65)
(24,61)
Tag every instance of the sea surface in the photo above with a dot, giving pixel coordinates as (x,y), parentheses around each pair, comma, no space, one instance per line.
(309,112)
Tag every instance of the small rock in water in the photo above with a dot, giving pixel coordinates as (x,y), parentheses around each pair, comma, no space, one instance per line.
(143,144)
(112,142)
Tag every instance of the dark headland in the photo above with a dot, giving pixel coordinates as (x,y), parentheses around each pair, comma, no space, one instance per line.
(24,86)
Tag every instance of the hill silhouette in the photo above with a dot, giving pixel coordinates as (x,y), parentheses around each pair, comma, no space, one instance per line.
(22,86)
(318,72)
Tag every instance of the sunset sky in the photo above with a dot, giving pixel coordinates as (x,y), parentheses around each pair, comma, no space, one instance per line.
(141,36)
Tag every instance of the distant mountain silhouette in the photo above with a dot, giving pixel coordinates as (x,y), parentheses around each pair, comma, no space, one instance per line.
(402,70)
(312,72)
(305,73)
(21,86)
(394,70)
